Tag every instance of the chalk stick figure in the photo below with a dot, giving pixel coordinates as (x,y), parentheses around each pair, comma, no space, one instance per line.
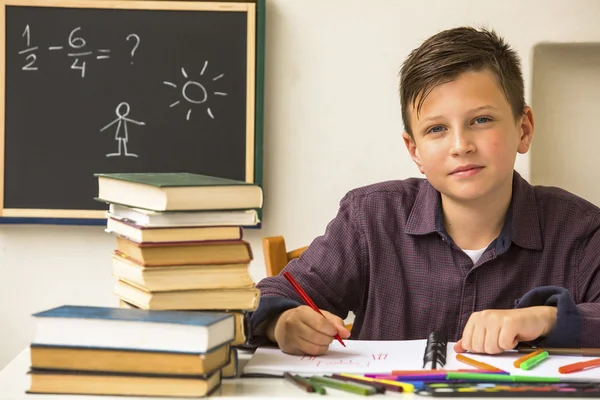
(121,135)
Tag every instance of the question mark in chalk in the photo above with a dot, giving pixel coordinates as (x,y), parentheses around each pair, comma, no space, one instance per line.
(137,43)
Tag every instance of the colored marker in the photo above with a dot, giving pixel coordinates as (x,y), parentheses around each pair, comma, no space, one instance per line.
(401,372)
(500,378)
(534,361)
(579,366)
(526,357)
(477,364)
(589,352)
(407,387)
(408,378)
(415,377)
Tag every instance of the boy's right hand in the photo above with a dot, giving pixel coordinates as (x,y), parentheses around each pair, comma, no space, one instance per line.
(302,330)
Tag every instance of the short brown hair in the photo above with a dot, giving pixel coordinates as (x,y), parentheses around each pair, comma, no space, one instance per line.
(446,55)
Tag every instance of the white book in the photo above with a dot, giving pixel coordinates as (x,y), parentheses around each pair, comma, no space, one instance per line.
(383,357)
(155,219)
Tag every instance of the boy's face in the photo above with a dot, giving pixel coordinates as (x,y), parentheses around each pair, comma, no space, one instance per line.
(465,139)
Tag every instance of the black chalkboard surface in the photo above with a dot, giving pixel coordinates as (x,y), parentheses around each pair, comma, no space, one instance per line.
(131,86)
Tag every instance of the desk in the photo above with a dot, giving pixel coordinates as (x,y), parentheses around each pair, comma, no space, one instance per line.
(14,381)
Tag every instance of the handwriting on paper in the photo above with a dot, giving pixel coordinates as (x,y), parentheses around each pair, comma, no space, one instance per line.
(359,361)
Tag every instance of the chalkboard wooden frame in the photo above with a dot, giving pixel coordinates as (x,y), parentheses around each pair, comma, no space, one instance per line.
(254,72)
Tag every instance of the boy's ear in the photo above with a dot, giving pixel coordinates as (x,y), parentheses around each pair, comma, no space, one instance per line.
(411,146)
(525,130)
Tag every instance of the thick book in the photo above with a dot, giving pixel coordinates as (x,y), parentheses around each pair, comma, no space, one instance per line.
(99,383)
(157,219)
(118,328)
(186,253)
(181,277)
(129,361)
(230,370)
(240,324)
(217,299)
(178,191)
(140,234)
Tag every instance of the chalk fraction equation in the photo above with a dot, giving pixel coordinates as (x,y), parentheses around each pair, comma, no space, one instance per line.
(76,48)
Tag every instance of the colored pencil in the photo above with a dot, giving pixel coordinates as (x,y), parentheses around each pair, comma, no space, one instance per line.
(379,387)
(477,364)
(307,387)
(351,387)
(393,388)
(307,299)
(526,357)
(318,388)
(579,366)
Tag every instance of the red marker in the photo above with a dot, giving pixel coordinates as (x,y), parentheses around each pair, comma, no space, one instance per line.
(307,300)
(579,366)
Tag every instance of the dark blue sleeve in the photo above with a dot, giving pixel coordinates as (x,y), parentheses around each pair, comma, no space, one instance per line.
(569,322)
(258,321)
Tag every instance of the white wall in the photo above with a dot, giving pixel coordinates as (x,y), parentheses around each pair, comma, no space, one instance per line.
(332,123)
(566,96)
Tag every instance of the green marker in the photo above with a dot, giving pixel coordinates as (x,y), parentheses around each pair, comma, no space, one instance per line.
(346,386)
(500,378)
(532,362)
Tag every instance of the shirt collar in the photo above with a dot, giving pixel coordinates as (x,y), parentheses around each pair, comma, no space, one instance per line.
(521,226)
(424,214)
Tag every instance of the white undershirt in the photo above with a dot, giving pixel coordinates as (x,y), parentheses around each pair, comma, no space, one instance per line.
(474,255)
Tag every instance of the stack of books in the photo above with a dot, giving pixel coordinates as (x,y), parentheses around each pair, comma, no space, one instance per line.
(180,243)
(115,351)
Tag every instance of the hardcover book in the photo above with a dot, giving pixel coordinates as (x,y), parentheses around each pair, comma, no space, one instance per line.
(151,330)
(178,191)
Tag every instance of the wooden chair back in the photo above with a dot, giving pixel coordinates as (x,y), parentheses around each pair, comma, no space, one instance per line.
(277,257)
(276,254)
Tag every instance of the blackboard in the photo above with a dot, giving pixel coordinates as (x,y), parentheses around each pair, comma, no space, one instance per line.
(131,86)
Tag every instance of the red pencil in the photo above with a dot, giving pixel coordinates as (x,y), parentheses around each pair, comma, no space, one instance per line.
(307,299)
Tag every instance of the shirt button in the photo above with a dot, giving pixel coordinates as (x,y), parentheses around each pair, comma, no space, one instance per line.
(471,278)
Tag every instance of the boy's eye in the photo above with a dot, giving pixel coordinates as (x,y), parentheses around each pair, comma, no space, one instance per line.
(435,129)
(482,120)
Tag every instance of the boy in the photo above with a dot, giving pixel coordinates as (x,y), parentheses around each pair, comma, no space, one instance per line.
(473,250)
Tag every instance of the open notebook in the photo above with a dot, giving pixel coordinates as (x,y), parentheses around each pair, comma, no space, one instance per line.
(368,357)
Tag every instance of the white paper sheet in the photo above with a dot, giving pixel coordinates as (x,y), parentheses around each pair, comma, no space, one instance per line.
(381,357)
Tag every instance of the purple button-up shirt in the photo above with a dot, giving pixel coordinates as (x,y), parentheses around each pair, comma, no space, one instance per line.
(387,258)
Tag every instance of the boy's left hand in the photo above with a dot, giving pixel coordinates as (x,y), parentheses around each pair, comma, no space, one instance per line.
(493,331)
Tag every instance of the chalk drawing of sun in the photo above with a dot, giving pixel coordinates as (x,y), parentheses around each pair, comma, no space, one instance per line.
(194,92)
